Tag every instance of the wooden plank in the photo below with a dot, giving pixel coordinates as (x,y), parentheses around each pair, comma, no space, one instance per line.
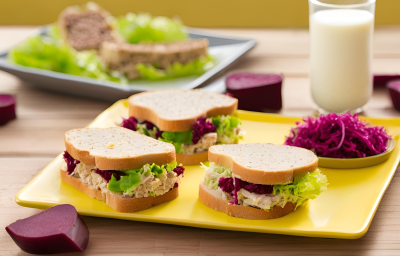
(111,237)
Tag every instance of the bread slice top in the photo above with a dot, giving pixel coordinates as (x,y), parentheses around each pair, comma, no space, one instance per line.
(176,110)
(267,164)
(117,148)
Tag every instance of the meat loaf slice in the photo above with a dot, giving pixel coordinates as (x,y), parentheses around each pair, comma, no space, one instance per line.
(85,28)
(123,57)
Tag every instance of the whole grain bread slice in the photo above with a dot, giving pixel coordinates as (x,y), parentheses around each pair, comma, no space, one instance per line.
(117,148)
(263,163)
(176,110)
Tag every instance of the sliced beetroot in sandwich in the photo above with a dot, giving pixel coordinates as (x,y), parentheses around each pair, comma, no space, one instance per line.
(7,108)
(56,230)
(382,80)
(256,92)
(394,90)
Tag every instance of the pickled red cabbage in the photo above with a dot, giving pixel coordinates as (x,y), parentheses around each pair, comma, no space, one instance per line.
(339,136)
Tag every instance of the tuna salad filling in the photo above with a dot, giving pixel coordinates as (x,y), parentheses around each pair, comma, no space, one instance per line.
(205,133)
(150,180)
(232,189)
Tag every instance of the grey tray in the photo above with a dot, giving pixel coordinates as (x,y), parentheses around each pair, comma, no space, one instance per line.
(225,49)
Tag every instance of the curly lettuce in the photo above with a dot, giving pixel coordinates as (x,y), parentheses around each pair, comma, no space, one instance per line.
(53,54)
(308,187)
(226,129)
(133,178)
(177,139)
(214,172)
(193,68)
(143,28)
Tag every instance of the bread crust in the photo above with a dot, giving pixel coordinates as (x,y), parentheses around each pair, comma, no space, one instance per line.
(261,177)
(179,125)
(120,164)
(240,211)
(116,202)
(194,159)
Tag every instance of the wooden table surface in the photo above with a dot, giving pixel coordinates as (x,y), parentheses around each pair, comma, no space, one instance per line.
(30,142)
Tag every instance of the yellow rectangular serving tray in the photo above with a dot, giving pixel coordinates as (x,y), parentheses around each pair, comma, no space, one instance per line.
(345,210)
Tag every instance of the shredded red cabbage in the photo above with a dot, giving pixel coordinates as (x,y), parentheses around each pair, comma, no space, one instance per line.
(231,186)
(339,136)
(158,134)
(176,185)
(130,123)
(179,170)
(71,162)
(149,125)
(107,174)
(201,127)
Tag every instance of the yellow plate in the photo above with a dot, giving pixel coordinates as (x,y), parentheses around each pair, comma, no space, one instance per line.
(345,210)
(350,163)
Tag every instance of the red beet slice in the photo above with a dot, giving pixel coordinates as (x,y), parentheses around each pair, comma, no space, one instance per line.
(394,90)
(7,108)
(56,230)
(382,80)
(256,92)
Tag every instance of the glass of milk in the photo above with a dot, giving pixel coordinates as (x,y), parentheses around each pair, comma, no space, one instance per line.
(341,53)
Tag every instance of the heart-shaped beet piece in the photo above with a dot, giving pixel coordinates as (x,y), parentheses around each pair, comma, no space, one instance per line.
(256,92)
(56,230)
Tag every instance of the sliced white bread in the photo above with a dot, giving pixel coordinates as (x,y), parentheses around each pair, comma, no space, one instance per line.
(117,148)
(176,110)
(210,198)
(116,201)
(262,163)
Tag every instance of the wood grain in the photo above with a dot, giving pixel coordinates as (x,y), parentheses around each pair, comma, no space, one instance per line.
(29,143)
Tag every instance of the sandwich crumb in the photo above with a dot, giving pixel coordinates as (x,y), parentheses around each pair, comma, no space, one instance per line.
(110,145)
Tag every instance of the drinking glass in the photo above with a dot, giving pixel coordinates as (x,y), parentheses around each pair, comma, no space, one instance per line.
(341,53)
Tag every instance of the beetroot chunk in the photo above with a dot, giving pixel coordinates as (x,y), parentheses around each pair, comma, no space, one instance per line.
(7,108)
(256,92)
(56,230)
(382,80)
(394,90)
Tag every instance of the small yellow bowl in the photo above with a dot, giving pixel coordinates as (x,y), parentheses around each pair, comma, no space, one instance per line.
(351,163)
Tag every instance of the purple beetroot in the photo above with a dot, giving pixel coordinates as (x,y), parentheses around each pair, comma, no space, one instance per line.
(7,108)
(56,230)
(394,90)
(256,92)
(382,80)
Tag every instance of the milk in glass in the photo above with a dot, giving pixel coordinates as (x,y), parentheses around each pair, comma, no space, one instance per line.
(341,56)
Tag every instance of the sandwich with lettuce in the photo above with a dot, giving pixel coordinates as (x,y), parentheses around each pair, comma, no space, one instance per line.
(260,181)
(191,120)
(88,41)
(128,171)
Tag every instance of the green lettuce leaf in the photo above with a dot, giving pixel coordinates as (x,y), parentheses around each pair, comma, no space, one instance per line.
(193,68)
(225,129)
(214,172)
(308,187)
(53,54)
(126,184)
(143,28)
(177,139)
(133,178)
